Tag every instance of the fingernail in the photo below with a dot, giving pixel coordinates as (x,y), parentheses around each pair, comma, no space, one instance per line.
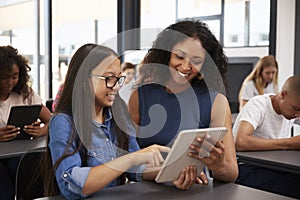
(200,181)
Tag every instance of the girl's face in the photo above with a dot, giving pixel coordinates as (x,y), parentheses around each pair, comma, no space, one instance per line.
(129,73)
(186,60)
(268,73)
(8,80)
(109,70)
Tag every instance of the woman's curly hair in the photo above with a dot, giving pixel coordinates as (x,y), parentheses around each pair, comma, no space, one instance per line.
(159,54)
(8,57)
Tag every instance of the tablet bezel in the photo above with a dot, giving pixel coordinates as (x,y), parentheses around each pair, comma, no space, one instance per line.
(178,157)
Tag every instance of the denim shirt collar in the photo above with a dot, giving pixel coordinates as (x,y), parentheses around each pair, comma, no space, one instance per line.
(105,128)
(107,120)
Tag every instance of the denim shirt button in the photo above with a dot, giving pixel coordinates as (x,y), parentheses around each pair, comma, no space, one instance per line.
(106,139)
(95,153)
(65,175)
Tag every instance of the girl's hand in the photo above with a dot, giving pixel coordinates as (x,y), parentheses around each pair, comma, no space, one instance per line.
(187,178)
(34,129)
(8,133)
(202,179)
(150,156)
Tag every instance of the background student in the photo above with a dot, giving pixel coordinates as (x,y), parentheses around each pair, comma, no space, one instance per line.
(57,96)
(14,90)
(173,94)
(92,140)
(128,70)
(262,80)
(265,123)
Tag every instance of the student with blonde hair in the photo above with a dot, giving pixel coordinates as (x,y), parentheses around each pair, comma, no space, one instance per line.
(262,80)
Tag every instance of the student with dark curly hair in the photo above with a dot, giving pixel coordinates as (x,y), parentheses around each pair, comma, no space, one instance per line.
(180,85)
(14,90)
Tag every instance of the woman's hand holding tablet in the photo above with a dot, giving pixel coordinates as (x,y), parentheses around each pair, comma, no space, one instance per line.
(181,156)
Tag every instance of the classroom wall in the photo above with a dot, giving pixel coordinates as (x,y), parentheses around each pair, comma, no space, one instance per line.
(246,52)
(285,38)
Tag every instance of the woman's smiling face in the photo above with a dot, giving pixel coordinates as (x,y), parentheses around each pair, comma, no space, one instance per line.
(186,60)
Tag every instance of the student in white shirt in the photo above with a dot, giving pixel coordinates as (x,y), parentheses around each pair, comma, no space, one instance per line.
(265,123)
(14,90)
(262,80)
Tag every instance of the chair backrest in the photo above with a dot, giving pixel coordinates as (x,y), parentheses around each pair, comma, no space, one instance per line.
(238,69)
(49,103)
(29,182)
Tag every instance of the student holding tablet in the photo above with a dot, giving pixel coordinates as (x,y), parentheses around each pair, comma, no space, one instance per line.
(180,87)
(92,142)
(14,90)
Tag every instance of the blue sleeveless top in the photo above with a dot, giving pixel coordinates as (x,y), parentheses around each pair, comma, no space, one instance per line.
(163,114)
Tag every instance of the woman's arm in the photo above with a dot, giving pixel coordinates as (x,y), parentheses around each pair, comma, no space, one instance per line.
(221,159)
(227,169)
(45,117)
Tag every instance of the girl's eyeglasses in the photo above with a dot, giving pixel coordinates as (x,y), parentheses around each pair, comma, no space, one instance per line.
(111,81)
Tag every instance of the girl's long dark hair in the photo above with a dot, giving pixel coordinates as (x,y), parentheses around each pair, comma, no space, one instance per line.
(77,100)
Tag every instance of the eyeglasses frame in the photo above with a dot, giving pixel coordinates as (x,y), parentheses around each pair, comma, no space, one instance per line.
(107,77)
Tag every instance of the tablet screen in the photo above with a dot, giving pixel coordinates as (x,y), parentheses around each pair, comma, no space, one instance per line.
(20,116)
(178,157)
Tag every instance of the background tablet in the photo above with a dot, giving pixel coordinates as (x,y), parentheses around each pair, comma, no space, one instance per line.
(178,157)
(20,116)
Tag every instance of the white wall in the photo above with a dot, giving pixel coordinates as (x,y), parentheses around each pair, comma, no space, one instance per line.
(285,38)
(284,42)
(251,51)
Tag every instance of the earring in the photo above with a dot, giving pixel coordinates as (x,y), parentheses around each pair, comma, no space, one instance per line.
(200,76)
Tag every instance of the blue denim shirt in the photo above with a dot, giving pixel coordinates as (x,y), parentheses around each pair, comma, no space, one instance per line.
(70,174)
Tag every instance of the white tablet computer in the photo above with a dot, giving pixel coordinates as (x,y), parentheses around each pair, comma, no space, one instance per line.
(178,157)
